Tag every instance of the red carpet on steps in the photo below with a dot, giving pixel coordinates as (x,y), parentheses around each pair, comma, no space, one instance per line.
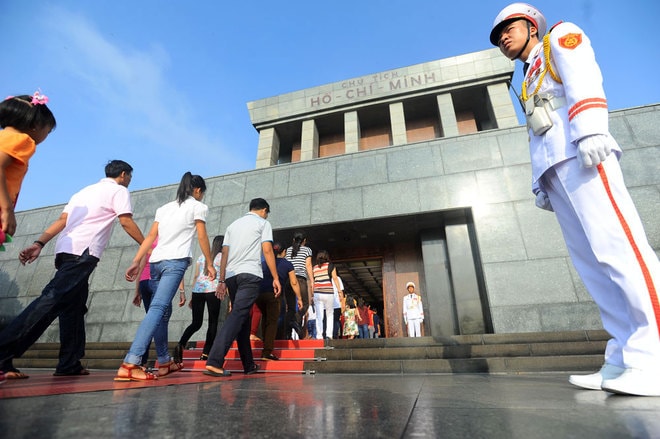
(42,382)
(292,354)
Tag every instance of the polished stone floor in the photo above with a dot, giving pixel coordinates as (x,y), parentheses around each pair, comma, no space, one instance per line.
(540,405)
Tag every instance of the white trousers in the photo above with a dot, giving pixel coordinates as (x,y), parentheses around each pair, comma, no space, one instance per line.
(610,251)
(414,327)
(325,304)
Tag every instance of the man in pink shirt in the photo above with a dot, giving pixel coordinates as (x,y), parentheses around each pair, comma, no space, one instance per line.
(84,230)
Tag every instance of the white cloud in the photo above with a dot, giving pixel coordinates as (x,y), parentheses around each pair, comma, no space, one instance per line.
(129,82)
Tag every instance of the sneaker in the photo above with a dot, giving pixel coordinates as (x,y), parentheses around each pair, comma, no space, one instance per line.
(634,382)
(595,380)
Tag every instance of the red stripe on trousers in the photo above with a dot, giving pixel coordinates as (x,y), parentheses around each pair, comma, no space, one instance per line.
(645,271)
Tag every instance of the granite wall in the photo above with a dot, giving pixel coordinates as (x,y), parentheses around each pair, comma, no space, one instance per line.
(531,284)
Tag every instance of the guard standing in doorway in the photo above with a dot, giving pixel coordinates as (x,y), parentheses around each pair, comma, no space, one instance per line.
(413,312)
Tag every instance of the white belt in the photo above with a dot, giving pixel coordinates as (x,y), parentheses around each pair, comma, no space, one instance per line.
(554,102)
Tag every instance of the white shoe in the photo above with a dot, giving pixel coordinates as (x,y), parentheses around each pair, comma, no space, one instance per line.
(634,382)
(595,380)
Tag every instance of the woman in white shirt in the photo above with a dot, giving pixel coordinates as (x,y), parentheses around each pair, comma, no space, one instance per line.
(175,226)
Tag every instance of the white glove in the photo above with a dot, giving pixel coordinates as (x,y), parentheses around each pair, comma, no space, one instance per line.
(594,149)
(543,202)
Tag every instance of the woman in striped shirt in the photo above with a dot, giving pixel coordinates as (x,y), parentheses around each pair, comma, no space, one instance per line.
(325,274)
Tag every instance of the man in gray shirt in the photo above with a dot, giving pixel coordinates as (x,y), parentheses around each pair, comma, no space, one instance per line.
(240,276)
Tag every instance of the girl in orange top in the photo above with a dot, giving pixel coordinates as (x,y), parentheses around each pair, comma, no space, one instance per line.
(26,122)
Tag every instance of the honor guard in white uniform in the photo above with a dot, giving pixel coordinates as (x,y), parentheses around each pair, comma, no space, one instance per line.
(576,174)
(413,312)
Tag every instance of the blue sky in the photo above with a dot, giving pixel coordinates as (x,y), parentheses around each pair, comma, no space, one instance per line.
(164,84)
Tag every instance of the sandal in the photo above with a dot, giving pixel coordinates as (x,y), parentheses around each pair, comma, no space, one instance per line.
(129,368)
(15,374)
(204,357)
(214,372)
(170,367)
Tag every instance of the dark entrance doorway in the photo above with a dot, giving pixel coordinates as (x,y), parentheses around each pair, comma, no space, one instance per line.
(376,257)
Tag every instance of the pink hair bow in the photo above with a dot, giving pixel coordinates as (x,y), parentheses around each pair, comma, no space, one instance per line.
(39,99)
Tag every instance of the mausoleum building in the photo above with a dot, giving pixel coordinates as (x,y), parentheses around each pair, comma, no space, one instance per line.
(419,174)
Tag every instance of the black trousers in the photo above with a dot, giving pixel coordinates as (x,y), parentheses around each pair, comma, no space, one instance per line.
(65,297)
(198,301)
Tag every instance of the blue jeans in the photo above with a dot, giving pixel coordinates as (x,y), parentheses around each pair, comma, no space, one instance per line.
(166,276)
(311,328)
(65,297)
(243,292)
(363,331)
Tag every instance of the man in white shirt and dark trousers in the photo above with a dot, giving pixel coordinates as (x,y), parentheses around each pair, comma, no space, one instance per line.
(84,229)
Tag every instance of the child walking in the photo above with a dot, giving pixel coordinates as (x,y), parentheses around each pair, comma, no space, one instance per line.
(350,318)
(203,293)
(26,121)
(175,225)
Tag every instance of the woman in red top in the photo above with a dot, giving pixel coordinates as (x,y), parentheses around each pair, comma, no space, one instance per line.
(363,326)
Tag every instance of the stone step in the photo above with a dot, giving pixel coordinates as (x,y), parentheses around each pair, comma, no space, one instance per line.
(477,339)
(110,355)
(467,351)
(572,363)
(484,353)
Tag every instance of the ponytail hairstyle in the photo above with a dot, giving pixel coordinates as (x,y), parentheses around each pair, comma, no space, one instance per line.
(322,257)
(188,183)
(298,238)
(216,247)
(277,248)
(26,113)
